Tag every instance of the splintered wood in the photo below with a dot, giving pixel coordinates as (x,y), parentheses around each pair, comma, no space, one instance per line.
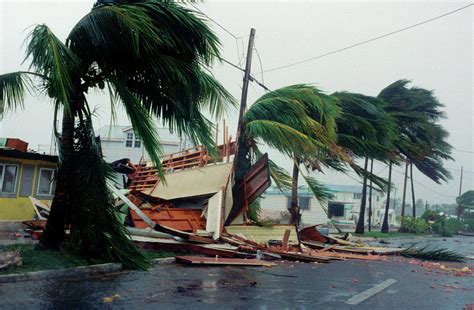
(199,260)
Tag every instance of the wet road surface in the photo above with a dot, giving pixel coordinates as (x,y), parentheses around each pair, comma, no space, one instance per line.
(288,285)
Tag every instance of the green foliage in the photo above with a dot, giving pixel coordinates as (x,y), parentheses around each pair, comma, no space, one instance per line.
(447,227)
(430,215)
(33,260)
(253,214)
(322,194)
(56,62)
(13,87)
(413,225)
(96,230)
(468,225)
(154,57)
(435,254)
(364,127)
(466,199)
(420,139)
(160,51)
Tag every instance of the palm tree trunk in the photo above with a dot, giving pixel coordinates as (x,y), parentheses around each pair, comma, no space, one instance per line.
(361,220)
(294,211)
(370,195)
(412,191)
(54,232)
(404,188)
(387,206)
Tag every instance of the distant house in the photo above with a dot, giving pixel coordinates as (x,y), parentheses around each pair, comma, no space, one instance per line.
(23,174)
(121,142)
(343,208)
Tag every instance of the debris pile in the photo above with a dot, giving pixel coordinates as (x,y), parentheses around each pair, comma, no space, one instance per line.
(200,210)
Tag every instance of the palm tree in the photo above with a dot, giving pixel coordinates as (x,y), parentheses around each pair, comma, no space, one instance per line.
(420,140)
(153,57)
(367,132)
(303,129)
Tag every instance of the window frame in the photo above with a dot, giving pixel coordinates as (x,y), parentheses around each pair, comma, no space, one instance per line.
(15,183)
(129,138)
(51,184)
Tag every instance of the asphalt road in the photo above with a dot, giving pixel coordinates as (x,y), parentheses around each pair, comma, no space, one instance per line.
(285,286)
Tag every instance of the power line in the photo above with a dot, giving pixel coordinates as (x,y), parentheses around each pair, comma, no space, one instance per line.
(463,151)
(231,64)
(422,185)
(252,79)
(369,40)
(215,22)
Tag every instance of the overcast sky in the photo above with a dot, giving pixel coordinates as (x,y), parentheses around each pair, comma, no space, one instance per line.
(437,55)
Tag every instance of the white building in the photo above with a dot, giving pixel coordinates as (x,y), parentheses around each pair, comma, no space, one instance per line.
(343,208)
(121,142)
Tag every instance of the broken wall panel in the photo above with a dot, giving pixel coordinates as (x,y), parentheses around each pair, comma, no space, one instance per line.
(252,185)
(264,234)
(188,220)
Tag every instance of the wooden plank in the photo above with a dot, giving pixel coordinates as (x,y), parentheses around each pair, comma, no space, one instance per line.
(198,260)
(286,237)
(253,184)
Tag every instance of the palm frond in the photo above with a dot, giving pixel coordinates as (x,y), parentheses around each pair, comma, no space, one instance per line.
(13,87)
(95,227)
(280,176)
(282,137)
(321,192)
(433,254)
(378,181)
(54,60)
(142,124)
(165,66)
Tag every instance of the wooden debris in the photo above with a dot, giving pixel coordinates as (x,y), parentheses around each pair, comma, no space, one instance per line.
(198,260)
(312,234)
(8,259)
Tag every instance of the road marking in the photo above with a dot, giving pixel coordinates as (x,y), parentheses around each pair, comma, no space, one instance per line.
(357,299)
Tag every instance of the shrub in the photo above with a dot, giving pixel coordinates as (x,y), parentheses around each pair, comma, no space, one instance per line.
(430,215)
(414,225)
(468,225)
(448,227)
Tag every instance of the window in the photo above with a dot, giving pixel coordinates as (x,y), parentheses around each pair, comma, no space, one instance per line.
(378,198)
(357,195)
(129,140)
(138,142)
(133,140)
(8,175)
(335,209)
(46,182)
(303,202)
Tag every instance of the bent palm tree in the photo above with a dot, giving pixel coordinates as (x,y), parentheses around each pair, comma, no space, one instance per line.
(367,132)
(421,140)
(153,56)
(303,129)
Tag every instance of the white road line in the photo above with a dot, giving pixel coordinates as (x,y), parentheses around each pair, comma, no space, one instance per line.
(357,299)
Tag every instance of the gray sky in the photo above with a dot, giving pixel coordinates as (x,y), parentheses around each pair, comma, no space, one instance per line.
(437,55)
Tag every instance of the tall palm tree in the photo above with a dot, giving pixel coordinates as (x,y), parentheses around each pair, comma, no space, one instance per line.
(153,57)
(421,141)
(367,132)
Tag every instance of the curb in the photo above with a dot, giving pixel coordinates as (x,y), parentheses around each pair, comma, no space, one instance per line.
(81,271)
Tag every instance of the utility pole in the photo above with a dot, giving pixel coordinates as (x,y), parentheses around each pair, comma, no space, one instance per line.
(404,187)
(459,211)
(243,104)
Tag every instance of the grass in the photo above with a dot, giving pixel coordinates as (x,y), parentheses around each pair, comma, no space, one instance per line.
(46,260)
(378,234)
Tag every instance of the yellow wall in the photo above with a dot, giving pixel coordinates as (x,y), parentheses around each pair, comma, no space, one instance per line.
(20,208)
